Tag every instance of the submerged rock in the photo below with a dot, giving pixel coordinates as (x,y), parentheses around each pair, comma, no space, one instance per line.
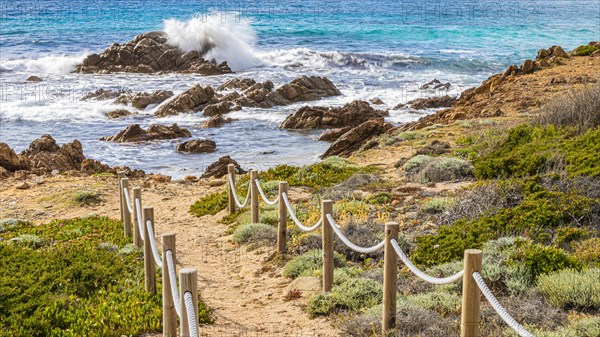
(351,114)
(215,122)
(218,169)
(33,78)
(150,53)
(119,113)
(134,133)
(197,146)
(143,99)
(103,94)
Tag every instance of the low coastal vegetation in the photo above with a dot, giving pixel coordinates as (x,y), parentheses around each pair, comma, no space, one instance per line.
(528,197)
(77,277)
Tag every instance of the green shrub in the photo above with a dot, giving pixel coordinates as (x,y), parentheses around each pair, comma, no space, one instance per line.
(379,198)
(588,251)
(582,154)
(415,163)
(404,136)
(210,204)
(86,197)
(255,232)
(584,50)
(445,303)
(585,327)
(319,305)
(357,294)
(309,262)
(445,169)
(437,205)
(540,213)
(572,289)
(30,240)
(538,259)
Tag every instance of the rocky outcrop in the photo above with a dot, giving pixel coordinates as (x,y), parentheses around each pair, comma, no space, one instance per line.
(333,134)
(215,122)
(197,146)
(134,133)
(554,51)
(150,53)
(45,155)
(33,78)
(258,95)
(218,169)
(119,113)
(191,100)
(102,94)
(11,161)
(428,103)
(351,114)
(376,101)
(356,137)
(143,99)
(435,85)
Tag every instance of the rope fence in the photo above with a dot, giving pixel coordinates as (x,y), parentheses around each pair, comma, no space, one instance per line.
(175,298)
(473,283)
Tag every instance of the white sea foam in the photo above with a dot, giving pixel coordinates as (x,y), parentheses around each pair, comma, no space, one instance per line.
(51,64)
(223,40)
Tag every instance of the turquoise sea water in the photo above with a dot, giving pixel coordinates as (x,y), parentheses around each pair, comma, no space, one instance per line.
(383,49)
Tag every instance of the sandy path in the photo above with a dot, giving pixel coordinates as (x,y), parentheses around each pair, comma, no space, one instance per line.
(246,300)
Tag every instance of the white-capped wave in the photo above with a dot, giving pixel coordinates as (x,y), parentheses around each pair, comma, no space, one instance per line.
(228,40)
(52,64)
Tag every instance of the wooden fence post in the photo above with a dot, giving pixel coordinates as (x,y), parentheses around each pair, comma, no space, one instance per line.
(253,196)
(231,205)
(327,236)
(471,296)
(126,213)
(188,282)
(137,236)
(282,225)
(390,278)
(149,263)
(169,313)
(120,176)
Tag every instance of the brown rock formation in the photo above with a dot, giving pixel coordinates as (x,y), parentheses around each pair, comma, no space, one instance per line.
(134,133)
(356,137)
(191,100)
(197,146)
(143,99)
(215,122)
(218,169)
(11,161)
(118,113)
(45,155)
(351,114)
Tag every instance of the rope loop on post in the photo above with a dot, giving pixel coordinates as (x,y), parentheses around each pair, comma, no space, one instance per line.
(127,199)
(420,274)
(295,218)
(264,196)
(157,258)
(173,281)
(487,293)
(340,234)
(235,197)
(191,314)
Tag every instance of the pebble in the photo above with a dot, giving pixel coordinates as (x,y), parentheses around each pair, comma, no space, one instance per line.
(22,186)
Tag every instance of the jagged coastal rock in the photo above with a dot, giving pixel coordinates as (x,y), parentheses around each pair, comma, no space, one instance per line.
(134,133)
(428,103)
(353,139)
(150,53)
(218,169)
(350,115)
(11,161)
(261,95)
(119,113)
(215,122)
(143,99)
(197,146)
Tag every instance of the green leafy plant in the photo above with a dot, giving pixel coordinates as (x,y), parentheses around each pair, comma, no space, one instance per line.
(572,289)
(210,204)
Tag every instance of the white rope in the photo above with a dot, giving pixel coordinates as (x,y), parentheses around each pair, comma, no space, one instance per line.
(157,258)
(191,314)
(420,274)
(127,200)
(262,194)
(340,234)
(235,197)
(173,281)
(138,206)
(293,215)
(518,328)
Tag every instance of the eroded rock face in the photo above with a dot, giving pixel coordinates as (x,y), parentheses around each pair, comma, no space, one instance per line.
(134,133)
(191,100)
(351,115)
(143,99)
(197,146)
(215,122)
(118,113)
(46,155)
(102,94)
(428,103)
(149,53)
(11,161)
(356,137)
(333,134)
(554,51)
(218,169)
(237,83)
